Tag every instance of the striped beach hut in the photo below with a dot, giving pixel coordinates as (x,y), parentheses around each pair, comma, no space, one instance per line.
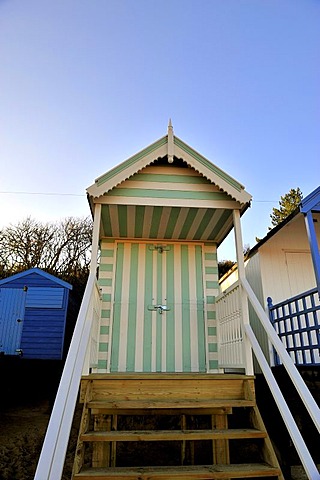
(161,215)
(153,342)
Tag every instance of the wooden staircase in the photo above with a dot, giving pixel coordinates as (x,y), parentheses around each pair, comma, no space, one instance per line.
(172,426)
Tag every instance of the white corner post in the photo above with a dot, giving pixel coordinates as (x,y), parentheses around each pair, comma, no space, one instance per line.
(95,238)
(243,296)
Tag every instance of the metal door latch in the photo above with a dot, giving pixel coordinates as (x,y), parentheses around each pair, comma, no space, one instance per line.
(159,308)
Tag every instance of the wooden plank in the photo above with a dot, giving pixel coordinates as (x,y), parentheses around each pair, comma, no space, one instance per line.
(162,435)
(173,386)
(220,448)
(100,451)
(166,376)
(268,453)
(114,405)
(162,389)
(84,425)
(161,411)
(210,472)
(183,443)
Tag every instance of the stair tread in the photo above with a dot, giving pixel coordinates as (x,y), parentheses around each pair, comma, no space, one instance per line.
(247,470)
(168,404)
(149,435)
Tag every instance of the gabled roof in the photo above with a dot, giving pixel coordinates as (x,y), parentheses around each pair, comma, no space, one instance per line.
(311,202)
(37,271)
(172,148)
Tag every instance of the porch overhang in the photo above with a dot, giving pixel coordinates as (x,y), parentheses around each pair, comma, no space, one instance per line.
(168,191)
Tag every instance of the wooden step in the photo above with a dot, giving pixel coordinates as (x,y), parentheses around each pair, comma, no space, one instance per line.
(150,390)
(163,435)
(181,404)
(210,472)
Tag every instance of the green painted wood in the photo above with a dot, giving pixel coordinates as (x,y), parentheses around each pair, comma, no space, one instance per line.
(200,311)
(146,221)
(166,178)
(132,310)
(131,161)
(205,162)
(168,194)
(185,309)
(142,338)
(117,309)
(147,326)
(170,353)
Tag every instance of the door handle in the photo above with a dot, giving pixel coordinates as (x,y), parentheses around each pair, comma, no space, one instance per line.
(159,308)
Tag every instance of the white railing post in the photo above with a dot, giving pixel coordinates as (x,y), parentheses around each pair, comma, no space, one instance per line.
(297,439)
(51,461)
(243,297)
(295,376)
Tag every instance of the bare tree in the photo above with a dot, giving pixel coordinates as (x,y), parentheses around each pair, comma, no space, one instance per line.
(61,248)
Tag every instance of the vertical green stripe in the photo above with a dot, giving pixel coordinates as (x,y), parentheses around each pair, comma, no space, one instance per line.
(170,316)
(132,313)
(159,317)
(200,309)
(186,352)
(122,215)
(138,228)
(147,328)
(174,215)
(187,223)
(117,309)
(106,221)
(156,217)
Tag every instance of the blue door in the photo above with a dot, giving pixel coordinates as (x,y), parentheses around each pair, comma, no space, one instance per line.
(12,307)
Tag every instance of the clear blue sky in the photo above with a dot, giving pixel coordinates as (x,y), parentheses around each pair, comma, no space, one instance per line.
(86,84)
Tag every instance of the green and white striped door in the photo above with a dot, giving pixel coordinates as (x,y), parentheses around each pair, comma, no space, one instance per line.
(158,318)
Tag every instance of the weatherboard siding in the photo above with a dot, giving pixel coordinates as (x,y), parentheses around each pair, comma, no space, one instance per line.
(170,182)
(211,291)
(106,281)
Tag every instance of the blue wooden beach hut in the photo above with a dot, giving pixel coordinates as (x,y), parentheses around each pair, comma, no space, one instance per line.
(33,311)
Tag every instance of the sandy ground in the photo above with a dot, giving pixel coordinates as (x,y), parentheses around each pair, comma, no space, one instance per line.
(22,430)
(27,392)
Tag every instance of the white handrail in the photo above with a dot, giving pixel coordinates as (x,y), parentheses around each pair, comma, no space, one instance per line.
(297,439)
(51,461)
(295,376)
(292,370)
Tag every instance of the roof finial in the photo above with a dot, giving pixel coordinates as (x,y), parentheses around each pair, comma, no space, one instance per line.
(170,142)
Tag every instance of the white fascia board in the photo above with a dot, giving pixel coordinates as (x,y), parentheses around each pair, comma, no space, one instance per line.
(97,190)
(240,195)
(169,202)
